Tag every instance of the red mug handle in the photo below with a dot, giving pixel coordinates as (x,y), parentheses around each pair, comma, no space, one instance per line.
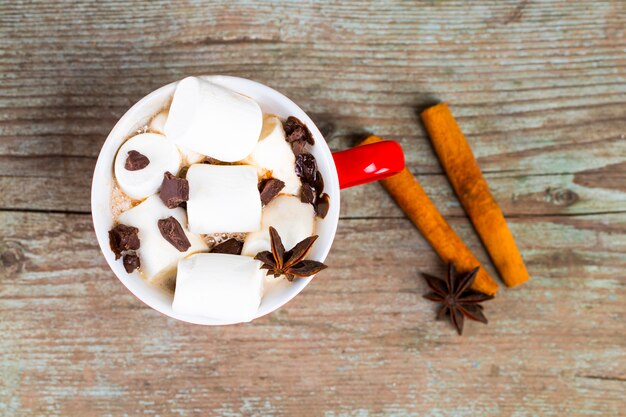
(367,163)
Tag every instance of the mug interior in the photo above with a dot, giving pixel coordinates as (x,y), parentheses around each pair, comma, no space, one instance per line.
(278,293)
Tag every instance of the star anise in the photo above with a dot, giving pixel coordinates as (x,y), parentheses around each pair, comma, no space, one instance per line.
(290,263)
(456,298)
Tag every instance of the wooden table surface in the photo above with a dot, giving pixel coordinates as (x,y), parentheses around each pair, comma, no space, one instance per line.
(539,87)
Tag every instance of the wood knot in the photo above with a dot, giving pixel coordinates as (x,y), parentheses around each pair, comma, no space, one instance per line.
(12,255)
(561,196)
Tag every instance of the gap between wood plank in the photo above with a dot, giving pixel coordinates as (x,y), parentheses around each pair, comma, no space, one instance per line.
(452,216)
(42,211)
(602,378)
(508,216)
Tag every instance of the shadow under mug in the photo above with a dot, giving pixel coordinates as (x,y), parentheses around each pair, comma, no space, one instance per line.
(340,170)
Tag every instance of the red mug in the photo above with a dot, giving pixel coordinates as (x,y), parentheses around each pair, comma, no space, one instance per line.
(340,170)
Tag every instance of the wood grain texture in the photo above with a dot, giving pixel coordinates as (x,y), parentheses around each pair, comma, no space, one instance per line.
(359,337)
(539,89)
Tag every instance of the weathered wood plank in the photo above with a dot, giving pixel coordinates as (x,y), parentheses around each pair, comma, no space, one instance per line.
(359,338)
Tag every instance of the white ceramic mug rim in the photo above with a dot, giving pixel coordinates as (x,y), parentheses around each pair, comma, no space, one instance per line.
(271,101)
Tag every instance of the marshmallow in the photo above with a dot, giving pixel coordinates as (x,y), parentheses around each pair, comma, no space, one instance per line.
(158,257)
(219,286)
(190,157)
(163,156)
(157,124)
(274,154)
(213,120)
(223,199)
(293,220)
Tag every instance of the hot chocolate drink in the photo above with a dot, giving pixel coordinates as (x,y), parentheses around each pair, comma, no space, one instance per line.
(212,192)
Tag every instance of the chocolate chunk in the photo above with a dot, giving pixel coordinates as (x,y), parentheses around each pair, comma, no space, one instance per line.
(136,161)
(297,134)
(306,168)
(173,232)
(318,183)
(297,131)
(213,161)
(131,262)
(322,205)
(298,147)
(123,238)
(174,190)
(312,180)
(307,194)
(231,246)
(269,189)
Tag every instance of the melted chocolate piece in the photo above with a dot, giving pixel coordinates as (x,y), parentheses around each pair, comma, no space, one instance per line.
(298,148)
(123,238)
(173,232)
(213,161)
(231,246)
(307,194)
(322,205)
(312,190)
(174,190)
(269,189)
(297,131)
(318,183)
(306,168)
(136,161)
(131,262)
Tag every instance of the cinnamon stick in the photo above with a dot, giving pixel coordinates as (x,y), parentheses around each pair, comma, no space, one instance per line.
(419,208)
(472,190)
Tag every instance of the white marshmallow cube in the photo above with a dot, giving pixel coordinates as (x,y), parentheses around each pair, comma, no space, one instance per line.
(293,220)
(163,156)
(219,286)
(273,153)
(223,199)
(212,120)
(157,256)
(157,124)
